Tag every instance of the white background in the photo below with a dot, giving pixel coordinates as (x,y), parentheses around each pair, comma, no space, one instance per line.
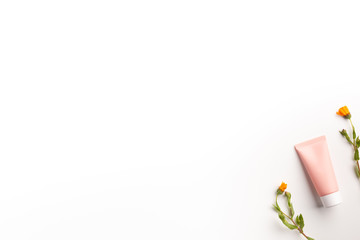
(173,119)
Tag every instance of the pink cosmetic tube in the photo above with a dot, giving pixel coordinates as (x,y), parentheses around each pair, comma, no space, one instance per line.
(315,157)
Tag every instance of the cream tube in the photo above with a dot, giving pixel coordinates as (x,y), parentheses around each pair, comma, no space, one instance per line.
(315,156)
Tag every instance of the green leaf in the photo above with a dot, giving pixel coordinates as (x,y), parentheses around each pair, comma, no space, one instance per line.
(357,171)
(292,211)
(357,142)
(356,155)
(277,208)
(288,196)
(354,133)
(345,134)
(301,221)
(297,220)
(291,208)
(286,223)
(309,238)
(290,226)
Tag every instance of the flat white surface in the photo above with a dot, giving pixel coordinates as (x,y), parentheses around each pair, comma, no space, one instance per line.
(173,119)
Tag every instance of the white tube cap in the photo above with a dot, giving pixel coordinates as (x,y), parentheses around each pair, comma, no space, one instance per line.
(331,199)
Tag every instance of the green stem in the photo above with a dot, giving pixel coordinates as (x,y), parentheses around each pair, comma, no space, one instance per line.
(351,124)
(298,228)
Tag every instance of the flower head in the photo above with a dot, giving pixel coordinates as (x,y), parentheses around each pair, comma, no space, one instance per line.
(344,112)
(281,188)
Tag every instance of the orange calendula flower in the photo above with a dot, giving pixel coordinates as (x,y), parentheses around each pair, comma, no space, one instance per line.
(283,187)
(344,112)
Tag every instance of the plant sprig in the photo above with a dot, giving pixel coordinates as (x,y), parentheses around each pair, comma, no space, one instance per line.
(298,222)
(355,141)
